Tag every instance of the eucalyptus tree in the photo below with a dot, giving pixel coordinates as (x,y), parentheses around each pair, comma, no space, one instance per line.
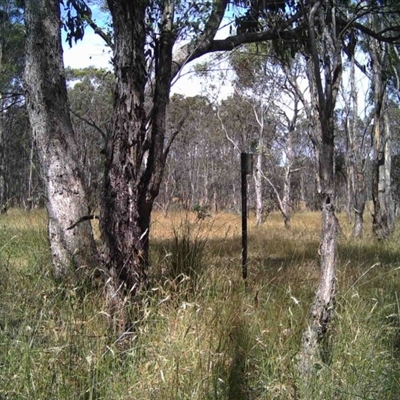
(257,82)
(246,124)
(47,104)
(328,36)
(381,68)
(144,34)
(324,75)
(191,177)
(383,217)
(145,62)
(356,149)
(267,74)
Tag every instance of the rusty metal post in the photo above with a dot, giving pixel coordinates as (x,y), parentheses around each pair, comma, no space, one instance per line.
(246,164)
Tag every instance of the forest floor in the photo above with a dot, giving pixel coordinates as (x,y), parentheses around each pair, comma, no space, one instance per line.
(201,333)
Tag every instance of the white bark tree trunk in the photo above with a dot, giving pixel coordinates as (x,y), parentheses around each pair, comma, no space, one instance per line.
(287,182)
(258,176)
(47,105)
(259,172)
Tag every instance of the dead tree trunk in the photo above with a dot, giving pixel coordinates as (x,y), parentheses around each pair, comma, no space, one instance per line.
(52,130)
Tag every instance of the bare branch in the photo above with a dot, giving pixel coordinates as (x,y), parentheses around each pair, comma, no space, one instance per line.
(174,134)
(98,31)
(90,123)
(235,146)
(278,197)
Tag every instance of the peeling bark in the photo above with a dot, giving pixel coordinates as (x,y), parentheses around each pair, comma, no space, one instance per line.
(122,223)
(137,153)
(323,100)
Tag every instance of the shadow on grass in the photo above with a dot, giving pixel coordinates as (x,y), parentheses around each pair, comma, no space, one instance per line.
(230,374)
(237,382)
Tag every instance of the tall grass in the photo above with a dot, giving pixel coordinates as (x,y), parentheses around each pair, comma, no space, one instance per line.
(202,335)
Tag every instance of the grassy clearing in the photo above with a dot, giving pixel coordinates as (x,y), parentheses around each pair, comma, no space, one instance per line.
(202,334)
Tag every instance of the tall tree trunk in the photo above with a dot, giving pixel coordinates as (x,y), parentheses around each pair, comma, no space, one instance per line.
(383,218)
(390,206)
(29,199)
(52,129)
(3,186)
(324,100)
(355,161)
(350,173)
(259,172)
(287,183)
(136,156)
(123,225)
(323,304)
(258,176)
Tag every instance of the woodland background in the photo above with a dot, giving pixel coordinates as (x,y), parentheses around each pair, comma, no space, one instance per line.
(174,319)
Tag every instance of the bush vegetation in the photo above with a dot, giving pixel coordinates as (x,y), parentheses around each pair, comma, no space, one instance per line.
(201,333)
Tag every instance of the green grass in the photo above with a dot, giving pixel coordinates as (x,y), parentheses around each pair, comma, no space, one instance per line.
(202,335)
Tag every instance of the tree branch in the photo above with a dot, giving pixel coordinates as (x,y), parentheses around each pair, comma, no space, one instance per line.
(173,135)
(91,123)
(201,46)
(86,14)
(98,31)
(235,145)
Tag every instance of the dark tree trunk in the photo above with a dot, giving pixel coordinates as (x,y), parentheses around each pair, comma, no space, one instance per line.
(47,105)
(136,156)
(121,221)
